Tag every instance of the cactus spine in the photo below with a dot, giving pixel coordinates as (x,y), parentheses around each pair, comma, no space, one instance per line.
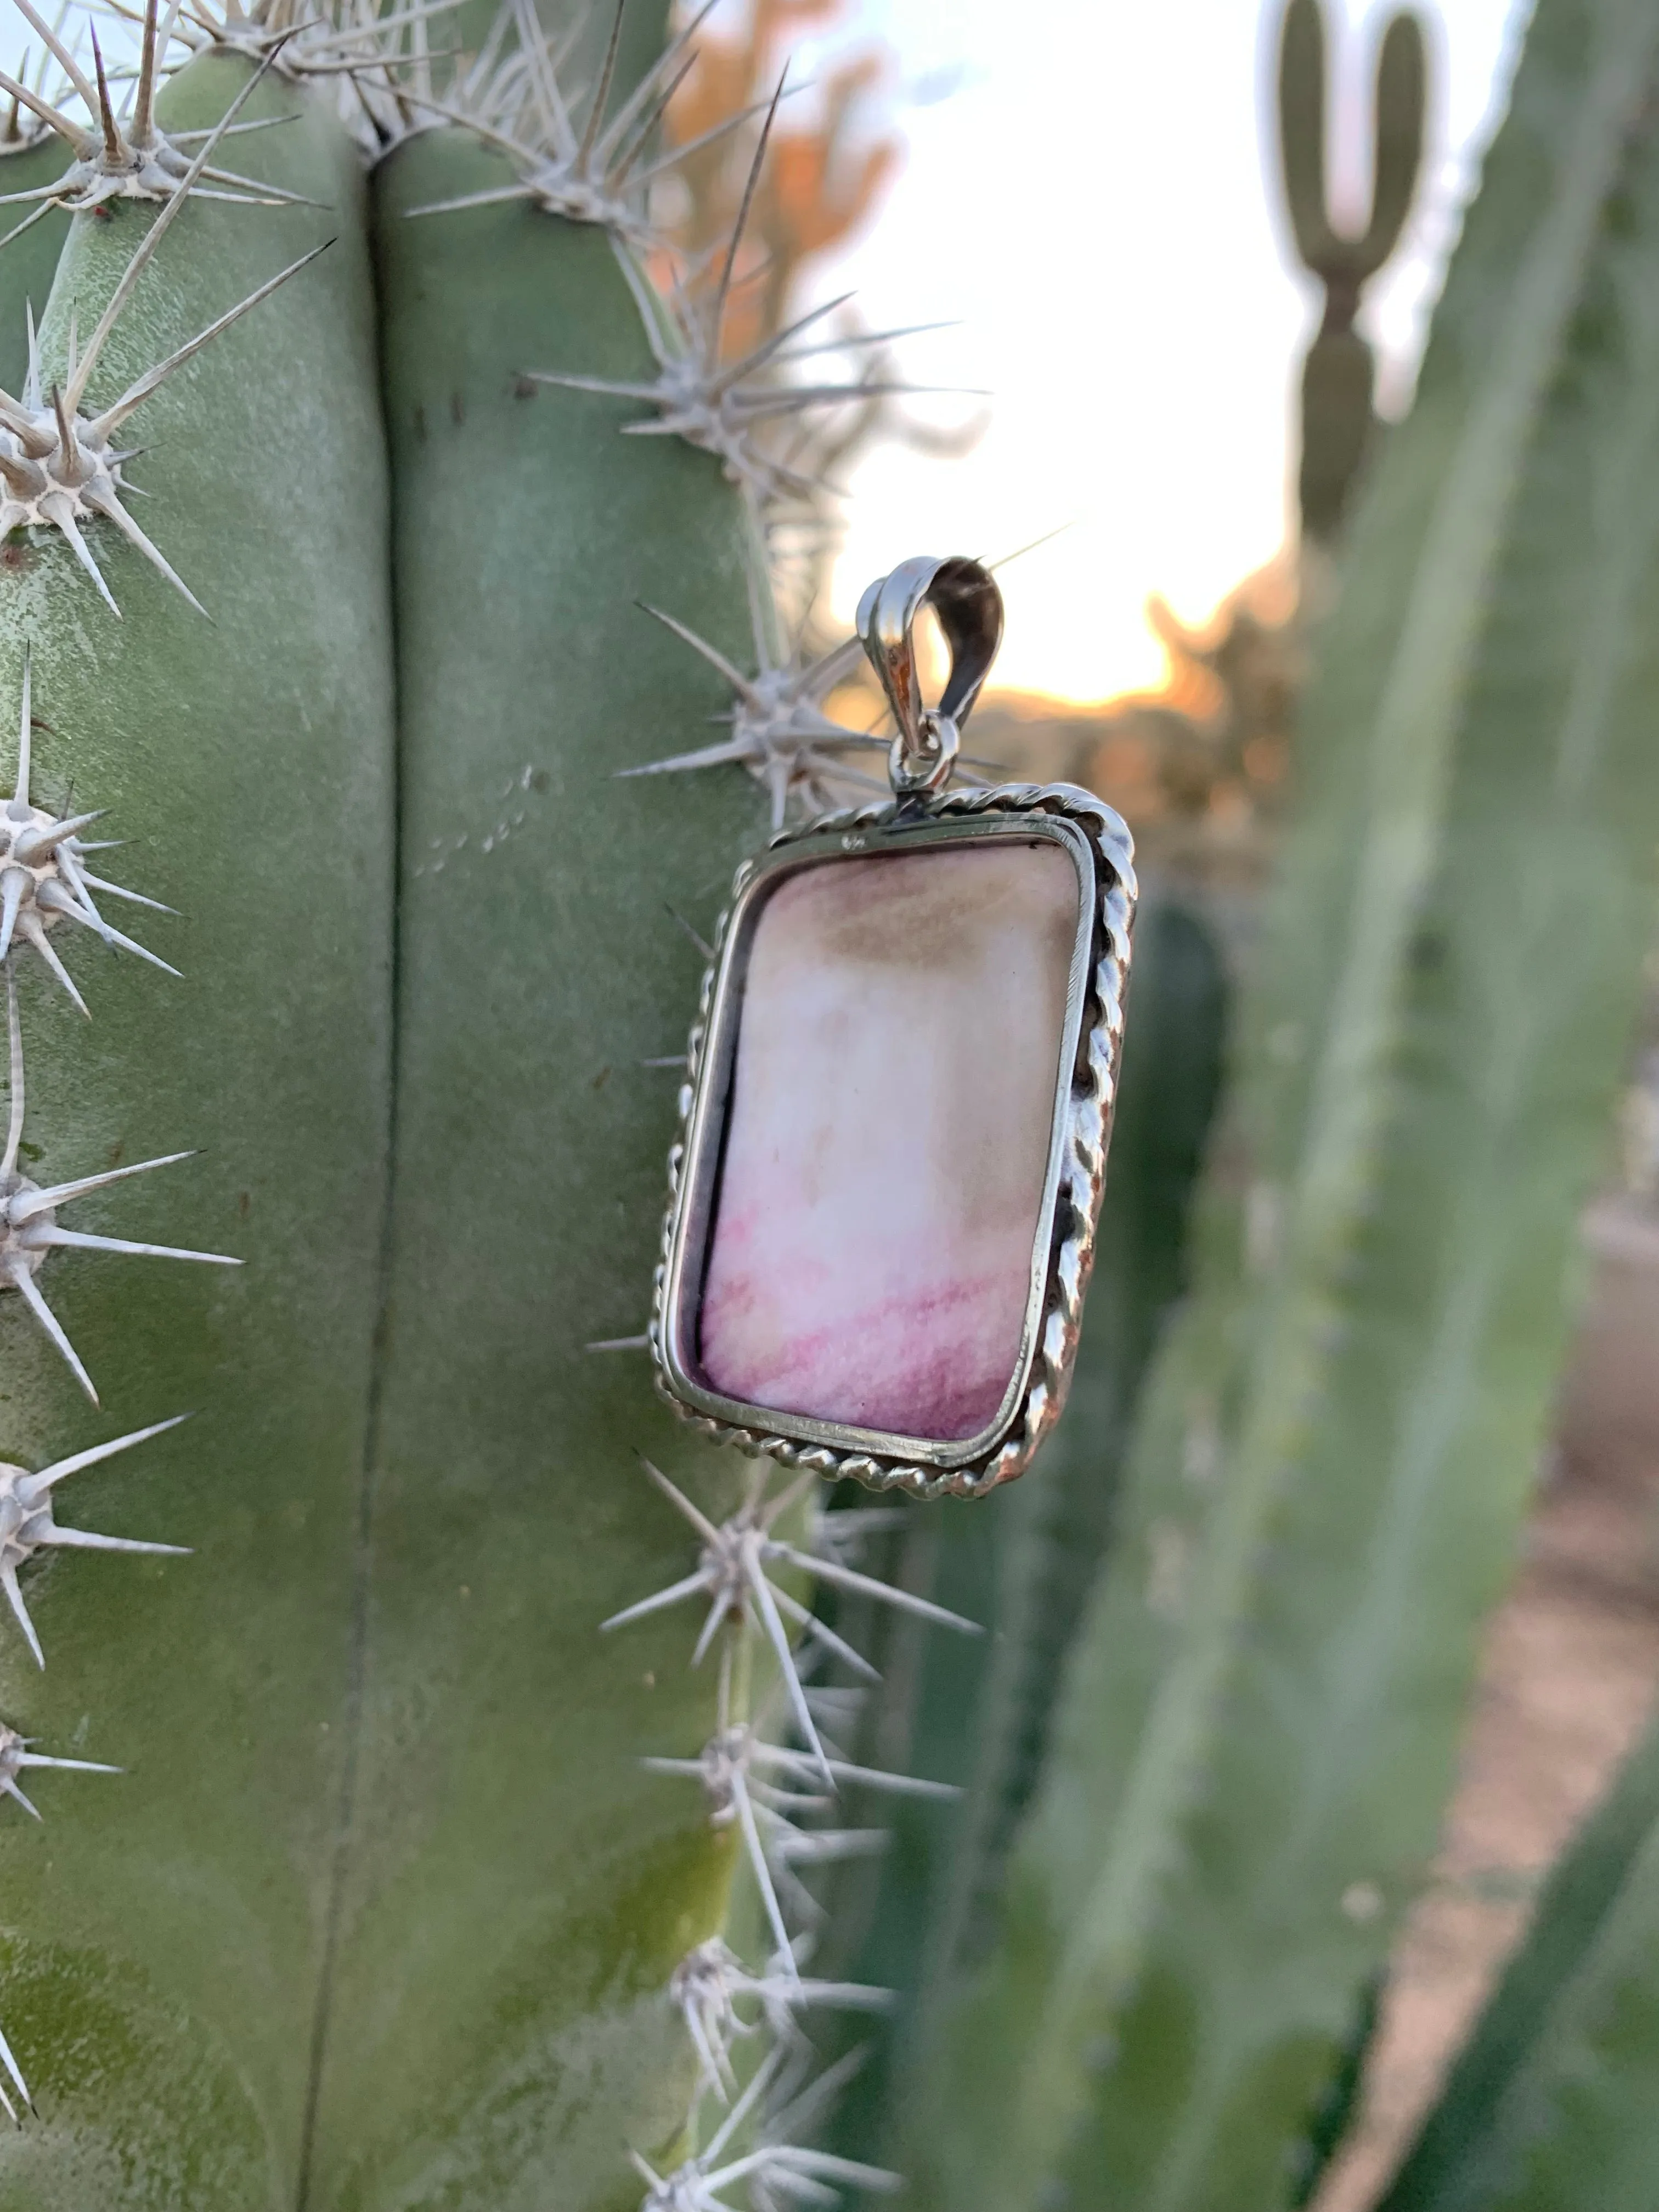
(1339,425)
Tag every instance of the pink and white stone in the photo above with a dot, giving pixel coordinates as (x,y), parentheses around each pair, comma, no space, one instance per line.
(872,1254)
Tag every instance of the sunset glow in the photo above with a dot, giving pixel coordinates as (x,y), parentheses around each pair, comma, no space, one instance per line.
(1090,200)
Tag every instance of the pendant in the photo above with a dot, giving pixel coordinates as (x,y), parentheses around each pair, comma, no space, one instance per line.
(893,1145)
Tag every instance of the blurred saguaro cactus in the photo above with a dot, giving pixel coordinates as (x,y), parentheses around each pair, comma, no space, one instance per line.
(1338,419)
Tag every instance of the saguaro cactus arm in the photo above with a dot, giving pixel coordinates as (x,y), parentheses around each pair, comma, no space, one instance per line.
(1337,422)
(1339,256)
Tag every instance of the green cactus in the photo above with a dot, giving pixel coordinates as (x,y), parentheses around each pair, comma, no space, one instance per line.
(535,904)
(1258,1722)
(386,1907)
(1551,2102)
(1339,425)
(165,1947)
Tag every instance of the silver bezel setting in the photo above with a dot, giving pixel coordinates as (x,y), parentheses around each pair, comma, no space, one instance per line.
(1063,1249)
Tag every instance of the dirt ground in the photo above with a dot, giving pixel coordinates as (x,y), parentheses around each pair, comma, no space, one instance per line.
(1570,1666)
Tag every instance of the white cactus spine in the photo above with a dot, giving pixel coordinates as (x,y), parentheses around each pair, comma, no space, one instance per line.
(771,1795)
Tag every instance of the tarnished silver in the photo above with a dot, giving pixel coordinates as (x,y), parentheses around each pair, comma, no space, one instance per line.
(920,817)
(964,598)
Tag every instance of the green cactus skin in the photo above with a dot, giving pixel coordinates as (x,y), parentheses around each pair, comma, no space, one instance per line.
(164,1930)
(1338,425)
(517,1890)
(1550,2105)
(1264,1704)
(30,262)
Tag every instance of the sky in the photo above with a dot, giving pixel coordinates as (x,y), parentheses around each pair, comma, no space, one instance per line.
(1088,197)
(1084,197)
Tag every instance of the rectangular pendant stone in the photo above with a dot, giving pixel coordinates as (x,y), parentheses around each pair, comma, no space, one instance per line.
(871,1257)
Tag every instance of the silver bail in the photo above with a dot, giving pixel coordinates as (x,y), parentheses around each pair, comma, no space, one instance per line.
(964,597)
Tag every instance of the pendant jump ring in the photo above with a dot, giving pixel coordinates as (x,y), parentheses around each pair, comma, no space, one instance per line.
(964,597)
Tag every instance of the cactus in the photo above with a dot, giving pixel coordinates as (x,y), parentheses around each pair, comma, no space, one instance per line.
(1261,1712)
(536,903)
(1550,2102)
(1339,425)
(163,1953)
(478,1785)
(413,1886)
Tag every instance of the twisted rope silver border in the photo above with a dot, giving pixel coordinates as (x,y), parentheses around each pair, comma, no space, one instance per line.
(1084,1137)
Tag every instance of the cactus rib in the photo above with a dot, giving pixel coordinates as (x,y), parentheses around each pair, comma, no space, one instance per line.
(267,460)
(507,505)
